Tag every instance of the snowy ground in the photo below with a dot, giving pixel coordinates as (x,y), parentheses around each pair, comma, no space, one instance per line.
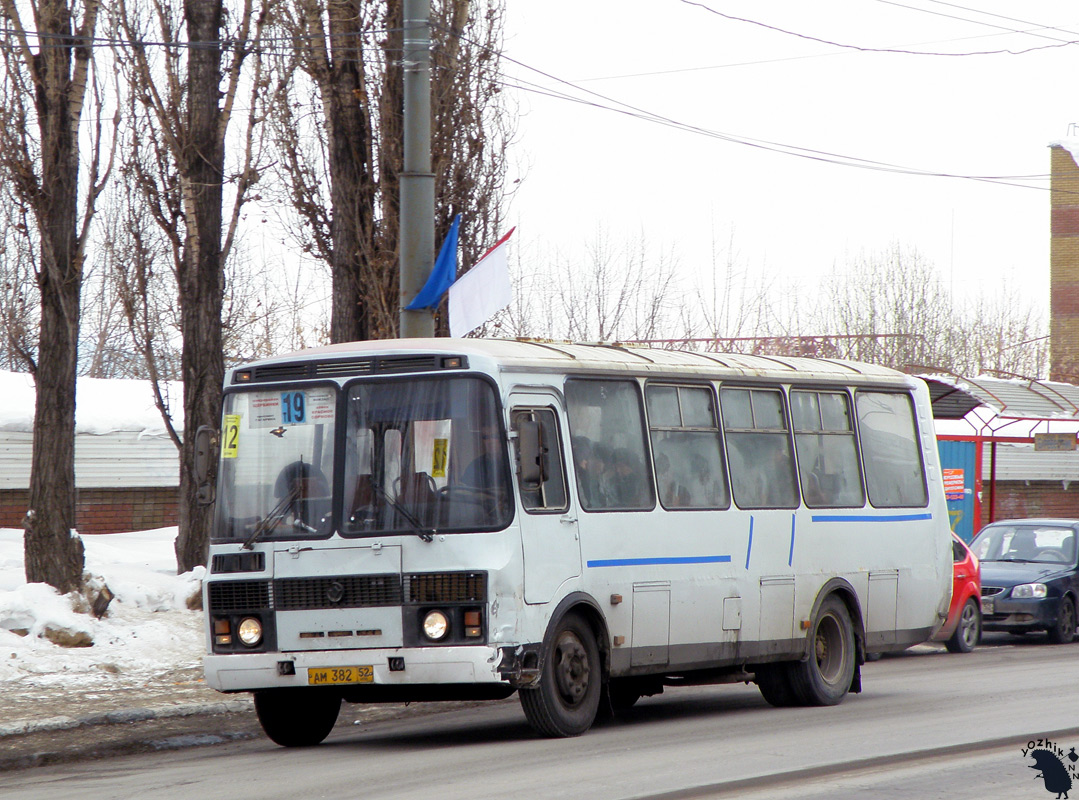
(147,632)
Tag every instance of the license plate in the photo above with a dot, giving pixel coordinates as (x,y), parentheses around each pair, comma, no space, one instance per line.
(335,676)
(988,606)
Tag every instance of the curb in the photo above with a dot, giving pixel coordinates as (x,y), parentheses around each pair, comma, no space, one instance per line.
(53,724)
(59,740)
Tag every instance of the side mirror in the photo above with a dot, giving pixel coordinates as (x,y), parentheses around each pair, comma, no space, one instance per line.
(531,451)
(206,447)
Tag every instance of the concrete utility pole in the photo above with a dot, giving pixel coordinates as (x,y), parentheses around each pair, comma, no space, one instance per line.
(417,181)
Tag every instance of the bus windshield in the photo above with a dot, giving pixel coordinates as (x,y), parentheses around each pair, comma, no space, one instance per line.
(423,456)
(276,469)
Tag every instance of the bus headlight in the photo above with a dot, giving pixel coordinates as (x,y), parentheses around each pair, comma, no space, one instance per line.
(436,625)
(250,631)
(1026,590)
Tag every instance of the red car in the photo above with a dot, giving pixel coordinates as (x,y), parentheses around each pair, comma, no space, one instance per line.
(963,628)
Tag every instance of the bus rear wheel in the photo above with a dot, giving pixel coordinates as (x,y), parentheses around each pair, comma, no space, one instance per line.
(567,699)
(826,676)
(297,717)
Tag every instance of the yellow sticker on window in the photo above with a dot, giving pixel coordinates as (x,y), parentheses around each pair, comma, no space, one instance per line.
(230,436)
(438,458)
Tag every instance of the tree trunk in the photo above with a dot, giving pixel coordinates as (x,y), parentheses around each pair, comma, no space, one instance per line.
(349,146)
(202,274)
(52,554)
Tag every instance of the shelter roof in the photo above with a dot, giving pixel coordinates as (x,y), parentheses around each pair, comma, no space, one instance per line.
(955,396)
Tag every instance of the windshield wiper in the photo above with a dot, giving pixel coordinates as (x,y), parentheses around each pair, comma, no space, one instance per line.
(277,513)
(427,534)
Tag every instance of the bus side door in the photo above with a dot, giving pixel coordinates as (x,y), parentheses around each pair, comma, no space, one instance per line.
(549,538)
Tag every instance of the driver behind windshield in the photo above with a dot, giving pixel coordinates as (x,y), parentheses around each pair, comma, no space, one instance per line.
(305,493)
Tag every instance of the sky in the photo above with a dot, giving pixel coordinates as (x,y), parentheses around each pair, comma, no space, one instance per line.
(584,167)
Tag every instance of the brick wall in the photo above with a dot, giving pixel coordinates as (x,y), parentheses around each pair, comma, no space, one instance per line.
(104,510)
(1064,267)
(1019,499)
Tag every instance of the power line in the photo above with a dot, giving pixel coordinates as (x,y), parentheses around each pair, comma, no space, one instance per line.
(1032,32)
(864,49)
(619,107)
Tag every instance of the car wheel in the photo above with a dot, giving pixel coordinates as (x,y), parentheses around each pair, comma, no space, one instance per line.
(969,629)
(297,717)
(1064,630)
(826,676)
(567,699)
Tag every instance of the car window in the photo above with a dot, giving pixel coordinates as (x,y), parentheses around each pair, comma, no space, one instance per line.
(1048,544)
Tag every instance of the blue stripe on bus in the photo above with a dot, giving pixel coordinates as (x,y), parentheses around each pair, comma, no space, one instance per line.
(790,556)
(644,562)
(872,518)
(749,547)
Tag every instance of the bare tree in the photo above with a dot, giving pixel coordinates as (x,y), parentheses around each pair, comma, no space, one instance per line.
(340,157)
(1001,335)
(178,162)
(889,308)
(19,305)
(47,76)
(620,293)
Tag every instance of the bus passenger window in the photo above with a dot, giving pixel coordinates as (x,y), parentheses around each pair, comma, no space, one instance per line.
(549,493)
(894,473)
(606,423)
(686,448)
(758,448)
(827,451)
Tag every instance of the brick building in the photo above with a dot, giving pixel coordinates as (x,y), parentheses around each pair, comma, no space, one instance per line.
(127,469)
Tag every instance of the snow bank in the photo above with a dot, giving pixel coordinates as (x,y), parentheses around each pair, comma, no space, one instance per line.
(148,628)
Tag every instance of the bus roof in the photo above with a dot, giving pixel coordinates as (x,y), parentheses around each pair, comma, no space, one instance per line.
(509,355)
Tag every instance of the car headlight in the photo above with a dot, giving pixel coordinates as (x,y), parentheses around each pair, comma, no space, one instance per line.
(435,625)
(1027,590)
(250,631)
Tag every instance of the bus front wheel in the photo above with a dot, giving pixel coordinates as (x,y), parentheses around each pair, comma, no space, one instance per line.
(825,677)
(567,699)
(297,717)
(774,682)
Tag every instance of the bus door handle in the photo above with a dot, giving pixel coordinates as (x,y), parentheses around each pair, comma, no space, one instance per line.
(567,520)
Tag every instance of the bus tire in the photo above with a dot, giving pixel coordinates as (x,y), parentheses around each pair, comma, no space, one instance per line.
(825,677)
(567,699)
(774,682)
(297,717)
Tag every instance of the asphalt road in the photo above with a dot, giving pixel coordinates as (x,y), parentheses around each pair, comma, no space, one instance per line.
(928,724)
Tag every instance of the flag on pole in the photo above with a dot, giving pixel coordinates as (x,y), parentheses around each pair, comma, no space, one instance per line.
(443,273)
(482,291)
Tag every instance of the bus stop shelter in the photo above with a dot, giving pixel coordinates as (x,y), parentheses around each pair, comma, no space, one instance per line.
(1025,430)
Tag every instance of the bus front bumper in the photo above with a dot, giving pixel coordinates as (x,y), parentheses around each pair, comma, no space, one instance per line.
(243,672)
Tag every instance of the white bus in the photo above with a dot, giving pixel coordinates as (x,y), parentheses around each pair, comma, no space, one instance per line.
(582,524)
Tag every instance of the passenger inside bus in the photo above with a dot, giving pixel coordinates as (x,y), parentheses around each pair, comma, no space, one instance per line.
(483,471)
(304,493)
(625,481)
(672,493)
(590,462)
(706,489)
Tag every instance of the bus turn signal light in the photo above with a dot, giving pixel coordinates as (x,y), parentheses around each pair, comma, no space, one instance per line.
(222,632)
